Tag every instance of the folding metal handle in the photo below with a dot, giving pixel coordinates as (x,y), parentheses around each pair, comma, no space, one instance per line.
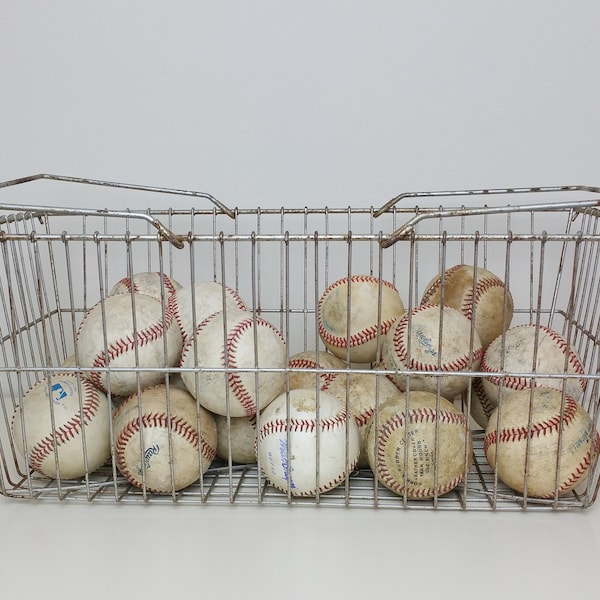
(36,210)
(405,230)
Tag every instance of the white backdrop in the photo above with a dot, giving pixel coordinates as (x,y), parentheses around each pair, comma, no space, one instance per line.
(275,104)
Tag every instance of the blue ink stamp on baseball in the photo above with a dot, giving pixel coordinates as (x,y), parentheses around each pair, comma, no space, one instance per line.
(148,454)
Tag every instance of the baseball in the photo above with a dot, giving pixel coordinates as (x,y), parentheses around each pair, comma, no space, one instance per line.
(230,357)
(137,341)
(301,452)
(514,448)
(195,303)
(477,293)
(353,318)
(361,390)
(150,283)
(482,406)
(162,440)
(524,345)
(236,438)
(404,450)
(63,427)
(418,332)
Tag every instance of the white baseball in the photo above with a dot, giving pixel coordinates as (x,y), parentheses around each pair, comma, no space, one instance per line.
(228,372)
(138,341)
(66,423)
(150,283)
(195,303)
(439,445)
(483,297)
(359,305)
(287,442)
(162,440)
(238,435)
(524,345)
(413,343)
(362,391)
(511,446)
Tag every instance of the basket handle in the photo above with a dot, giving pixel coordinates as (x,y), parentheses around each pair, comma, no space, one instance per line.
(404,230)
(164,231)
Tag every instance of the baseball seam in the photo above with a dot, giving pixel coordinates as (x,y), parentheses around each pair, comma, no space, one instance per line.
(307,426)
(360,337)
(146,336)
(419,415)
(520,383)
(458,363)
(69,430)
(176,424)
(546,427)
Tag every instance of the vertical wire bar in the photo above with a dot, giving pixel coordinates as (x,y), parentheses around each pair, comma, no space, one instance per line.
(70,288)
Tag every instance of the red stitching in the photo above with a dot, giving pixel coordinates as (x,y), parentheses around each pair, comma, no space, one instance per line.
(459,363)
(360,337)
(419,415)
(484,401)
(579,471)
(304,363)
(236,384)
(306,426)
(520,383)
(543,428)
(68,431)
(120,346)
(301,425)
(244,397)
(437,283)
(177,425)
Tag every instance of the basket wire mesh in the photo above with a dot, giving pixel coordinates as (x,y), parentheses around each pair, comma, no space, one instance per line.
(57,262)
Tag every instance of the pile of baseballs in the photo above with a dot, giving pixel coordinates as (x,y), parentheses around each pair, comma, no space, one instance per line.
(166,378)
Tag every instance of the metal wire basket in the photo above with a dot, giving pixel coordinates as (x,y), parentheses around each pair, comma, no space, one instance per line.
(58,262)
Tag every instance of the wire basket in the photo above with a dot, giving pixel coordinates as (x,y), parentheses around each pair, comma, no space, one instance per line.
(57,263)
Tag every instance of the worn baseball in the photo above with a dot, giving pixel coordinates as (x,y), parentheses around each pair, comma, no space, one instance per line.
(531,349)
(362,391)
(305,452)
(195,303)
(478,293)
(162,440)
(551,442)
(353,316)
(62,426)
(235,363)
(414,343)
(236,438)
(482,406)
(151,283)
(422,452)
(115,335)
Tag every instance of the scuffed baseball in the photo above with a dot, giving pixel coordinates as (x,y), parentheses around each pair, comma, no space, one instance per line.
(247,347)
(418,332)
(518,349)
(477,293)
(154,343)
(482,406)
(195,303)
(448,457)
(151,283)
(163,440)
(362,391)
(356,301)
(510,445)
(78,441)
(287,442)
(238,435)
